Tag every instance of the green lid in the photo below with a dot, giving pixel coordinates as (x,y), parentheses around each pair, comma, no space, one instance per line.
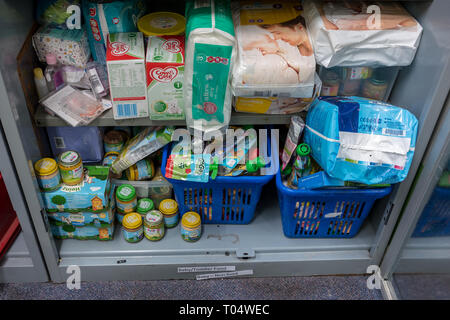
(126,193)
(214,168)
(303,149)
(145,205)
(255,164)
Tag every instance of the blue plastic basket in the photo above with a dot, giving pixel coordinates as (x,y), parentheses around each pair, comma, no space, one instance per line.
(225,200)
(435,218)
(327,213)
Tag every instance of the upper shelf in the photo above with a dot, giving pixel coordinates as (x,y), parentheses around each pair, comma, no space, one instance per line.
(43,119)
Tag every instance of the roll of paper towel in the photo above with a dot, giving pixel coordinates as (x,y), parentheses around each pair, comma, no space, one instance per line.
(210,55)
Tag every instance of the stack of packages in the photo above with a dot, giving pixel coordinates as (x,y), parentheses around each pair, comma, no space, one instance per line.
(84,211)
(275,69)
(350,139)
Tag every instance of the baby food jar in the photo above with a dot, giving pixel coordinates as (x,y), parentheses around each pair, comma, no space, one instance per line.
(109,158)
(191,227)
(169,208)
(144,206)
(375,89)
(71,167)
(162,23)
(330,86)
(142,170)
(113,141)
(132,227)
(154,225)
(126,199)
(48,175)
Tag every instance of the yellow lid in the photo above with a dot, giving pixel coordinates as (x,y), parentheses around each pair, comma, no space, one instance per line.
(191,219)
(45,166)
(131,173)
(168,207)
(132,220)
(162,24)
(38,74)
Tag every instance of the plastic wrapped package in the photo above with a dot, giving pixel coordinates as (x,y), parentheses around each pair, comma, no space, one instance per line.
(87,141)
(275,54)
(361,140)
(210,55)
(349,33)
(73,106)
(104,17)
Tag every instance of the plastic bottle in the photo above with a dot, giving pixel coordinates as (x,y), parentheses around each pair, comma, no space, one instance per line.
(53,73)
(301,166)
(41,84)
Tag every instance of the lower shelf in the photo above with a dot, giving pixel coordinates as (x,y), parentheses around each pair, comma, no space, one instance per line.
(260,246)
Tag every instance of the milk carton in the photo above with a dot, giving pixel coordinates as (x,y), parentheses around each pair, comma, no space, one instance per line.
(125,58)
(165,71)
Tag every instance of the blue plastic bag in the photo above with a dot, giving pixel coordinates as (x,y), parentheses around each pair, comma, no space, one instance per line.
(112,17)
(361,140)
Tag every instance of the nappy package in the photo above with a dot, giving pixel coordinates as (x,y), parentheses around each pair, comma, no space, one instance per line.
(351,34)
(361,140)
(210,55)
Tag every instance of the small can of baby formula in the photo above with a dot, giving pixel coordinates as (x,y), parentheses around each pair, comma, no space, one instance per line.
(113,141)
(154,226)
(191,227)
(71,167)
(47,173)
(126,199)
(132,227)
(169,208)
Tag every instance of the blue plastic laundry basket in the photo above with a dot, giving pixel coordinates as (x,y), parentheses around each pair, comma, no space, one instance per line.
(435,218)
(325,213)
(225,200)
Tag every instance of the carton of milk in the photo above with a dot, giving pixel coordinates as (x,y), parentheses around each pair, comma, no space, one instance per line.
(125,58)
(165,71)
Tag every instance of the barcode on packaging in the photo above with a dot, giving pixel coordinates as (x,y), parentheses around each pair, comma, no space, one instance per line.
(59,142)
(127,110)
(394,132)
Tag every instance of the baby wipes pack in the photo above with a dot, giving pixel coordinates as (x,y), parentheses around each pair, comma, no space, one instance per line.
(361,140)
(359,33)
(210,54)
(104,17)
(275,54)
(165,71)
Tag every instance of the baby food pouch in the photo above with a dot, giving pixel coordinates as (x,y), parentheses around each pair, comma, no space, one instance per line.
(193,167)
(165,70)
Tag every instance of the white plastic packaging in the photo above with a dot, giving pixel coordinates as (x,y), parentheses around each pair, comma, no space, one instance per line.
(352,34)
(275,54)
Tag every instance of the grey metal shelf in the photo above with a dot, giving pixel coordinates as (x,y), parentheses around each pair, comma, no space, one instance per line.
(43,119)
(262,240)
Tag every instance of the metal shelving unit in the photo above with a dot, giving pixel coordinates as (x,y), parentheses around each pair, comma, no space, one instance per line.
(261,245)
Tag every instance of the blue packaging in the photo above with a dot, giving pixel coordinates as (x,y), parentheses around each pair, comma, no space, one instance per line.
(87,141)
(361,140)
(111,17)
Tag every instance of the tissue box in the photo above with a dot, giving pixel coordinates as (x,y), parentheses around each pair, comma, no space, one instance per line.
(70,46)
(92,195)
(67,231)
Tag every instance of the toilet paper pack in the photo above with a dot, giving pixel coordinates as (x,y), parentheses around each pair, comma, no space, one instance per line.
(210,55)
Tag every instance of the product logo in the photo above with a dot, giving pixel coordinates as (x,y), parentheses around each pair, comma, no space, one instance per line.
(209,107)
(92,12)
(116,20)
(212,59)
(164,75)
(119,48)
(172,45)
(95,29)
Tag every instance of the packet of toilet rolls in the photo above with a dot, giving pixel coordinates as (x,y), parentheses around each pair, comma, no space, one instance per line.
(148,141)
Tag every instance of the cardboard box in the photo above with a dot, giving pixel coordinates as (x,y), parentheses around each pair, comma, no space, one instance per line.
(125,58)
(92,195)
(67,231)
(165,70)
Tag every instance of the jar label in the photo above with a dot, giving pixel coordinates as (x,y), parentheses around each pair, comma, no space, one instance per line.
(126,191)
(171,221)
(154,234)
(133,236)
(153,216)
(191,235)
(126,208)
(69,156)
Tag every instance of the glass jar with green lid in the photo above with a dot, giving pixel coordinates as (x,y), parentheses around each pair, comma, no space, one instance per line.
(126,199)
(144,206)
(154,226)
(169,208)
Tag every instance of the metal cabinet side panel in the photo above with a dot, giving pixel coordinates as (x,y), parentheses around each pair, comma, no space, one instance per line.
(421,88)
(15,23)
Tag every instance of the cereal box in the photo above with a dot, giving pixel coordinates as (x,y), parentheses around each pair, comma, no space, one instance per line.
(165,71)
(125,58)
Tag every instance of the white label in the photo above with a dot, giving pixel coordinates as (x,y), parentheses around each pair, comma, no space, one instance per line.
(224,274)
(204,269)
